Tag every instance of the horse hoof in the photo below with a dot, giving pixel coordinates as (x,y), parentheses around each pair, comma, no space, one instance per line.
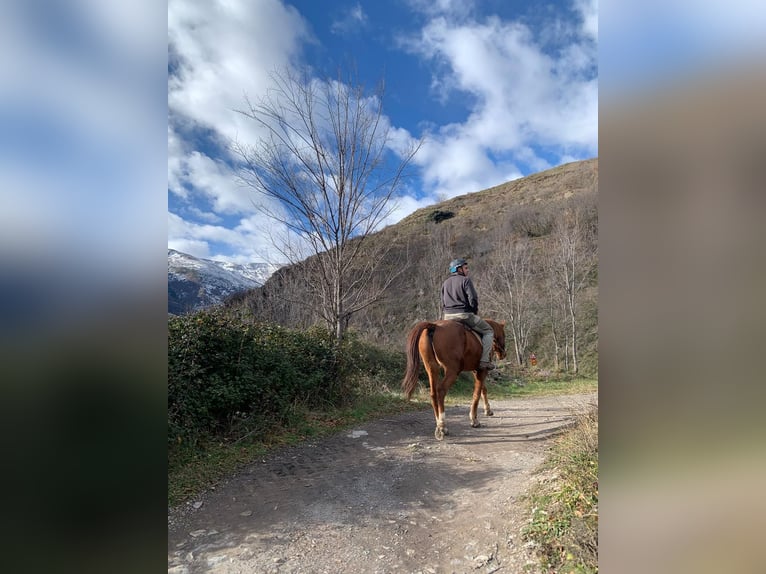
(489,413)
(439,434)
(475,424)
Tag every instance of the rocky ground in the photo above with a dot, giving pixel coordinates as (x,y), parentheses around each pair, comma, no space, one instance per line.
(383,497)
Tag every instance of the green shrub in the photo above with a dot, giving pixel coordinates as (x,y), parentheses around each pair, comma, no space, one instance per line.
(228,377)
(224,374)
(370,369)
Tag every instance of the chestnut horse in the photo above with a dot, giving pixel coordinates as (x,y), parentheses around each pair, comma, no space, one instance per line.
(451,346)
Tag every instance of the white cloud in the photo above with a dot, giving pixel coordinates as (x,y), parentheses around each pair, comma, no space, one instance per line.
(216,191)
(251,240)
(195,238)
(352,21)
(193,175)
(217,181)
(225,50)
(589,11)
(451,8)
(525,95)
(194,247)
(221,52)
(176,164)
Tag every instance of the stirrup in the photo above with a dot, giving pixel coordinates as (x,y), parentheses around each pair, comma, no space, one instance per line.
(486,365)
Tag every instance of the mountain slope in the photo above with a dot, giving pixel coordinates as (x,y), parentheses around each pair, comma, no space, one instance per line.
(475,226)
(195,283)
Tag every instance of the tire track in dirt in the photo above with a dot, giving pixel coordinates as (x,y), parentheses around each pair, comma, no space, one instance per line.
(384,497)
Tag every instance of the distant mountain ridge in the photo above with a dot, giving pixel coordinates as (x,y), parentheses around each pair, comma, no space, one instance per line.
(195,283)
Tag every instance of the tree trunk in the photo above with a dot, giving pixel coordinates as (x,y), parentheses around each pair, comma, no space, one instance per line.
(574,340)
(338,304)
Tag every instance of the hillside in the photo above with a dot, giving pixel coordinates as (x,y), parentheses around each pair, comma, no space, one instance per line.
(475,226)
(542,190)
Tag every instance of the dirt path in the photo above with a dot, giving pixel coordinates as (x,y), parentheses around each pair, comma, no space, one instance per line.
(384,497)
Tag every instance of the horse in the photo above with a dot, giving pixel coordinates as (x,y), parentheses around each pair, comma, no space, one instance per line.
(452,346)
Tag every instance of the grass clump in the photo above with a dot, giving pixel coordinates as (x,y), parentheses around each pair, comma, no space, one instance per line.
(563,526)
(507,383)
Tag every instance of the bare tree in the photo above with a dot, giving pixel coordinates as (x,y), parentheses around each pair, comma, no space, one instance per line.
(511,289)
(572,258)
(434,265)
(555,311)
(326,159)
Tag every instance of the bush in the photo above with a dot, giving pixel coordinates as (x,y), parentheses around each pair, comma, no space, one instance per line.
(437,216)
(369,369)
(227,377)
(223,374)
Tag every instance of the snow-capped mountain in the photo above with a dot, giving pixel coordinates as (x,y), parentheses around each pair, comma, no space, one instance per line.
(195,283)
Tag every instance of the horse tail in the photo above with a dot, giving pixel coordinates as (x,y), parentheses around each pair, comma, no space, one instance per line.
(413,357)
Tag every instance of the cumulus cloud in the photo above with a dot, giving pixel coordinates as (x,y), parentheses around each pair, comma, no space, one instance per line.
(218,183)
(404,206)
(218,55)
(176,154)
(527,94)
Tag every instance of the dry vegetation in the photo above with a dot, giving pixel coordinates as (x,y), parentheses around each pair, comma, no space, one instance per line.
(563,527)
(544,214)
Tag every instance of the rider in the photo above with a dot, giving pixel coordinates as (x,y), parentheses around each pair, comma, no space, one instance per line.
(461,303)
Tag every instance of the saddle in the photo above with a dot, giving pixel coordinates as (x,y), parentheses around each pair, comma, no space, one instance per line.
(475,333)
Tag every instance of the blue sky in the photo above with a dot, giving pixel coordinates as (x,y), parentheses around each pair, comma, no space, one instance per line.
(499,90)
(92,172)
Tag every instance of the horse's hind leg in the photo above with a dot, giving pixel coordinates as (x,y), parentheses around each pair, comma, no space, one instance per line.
(479,390)
(438,401)
(437,396)
(441,425)
(487,410)
(478,385)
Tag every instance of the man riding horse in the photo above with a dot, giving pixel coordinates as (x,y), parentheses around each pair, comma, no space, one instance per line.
(448,346)
(461,303)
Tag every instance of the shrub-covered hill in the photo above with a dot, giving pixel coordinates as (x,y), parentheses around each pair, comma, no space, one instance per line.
(538,217)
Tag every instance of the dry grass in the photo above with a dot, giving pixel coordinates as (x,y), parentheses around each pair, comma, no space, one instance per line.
(563,526)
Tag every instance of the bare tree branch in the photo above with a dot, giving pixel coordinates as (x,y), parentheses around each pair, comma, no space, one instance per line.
(327,165)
